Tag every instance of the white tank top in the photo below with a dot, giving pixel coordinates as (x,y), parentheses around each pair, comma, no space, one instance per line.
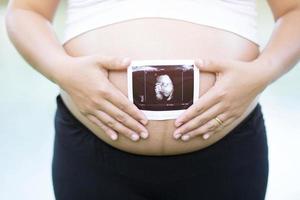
(236,16)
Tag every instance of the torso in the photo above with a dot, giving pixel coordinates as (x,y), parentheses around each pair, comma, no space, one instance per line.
(160,39)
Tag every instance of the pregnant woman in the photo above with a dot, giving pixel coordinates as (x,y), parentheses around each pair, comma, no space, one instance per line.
(105,148)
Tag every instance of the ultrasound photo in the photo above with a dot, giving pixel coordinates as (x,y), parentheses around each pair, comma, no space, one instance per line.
(163,89)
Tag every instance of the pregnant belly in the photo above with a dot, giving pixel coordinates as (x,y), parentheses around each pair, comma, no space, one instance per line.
(153,38)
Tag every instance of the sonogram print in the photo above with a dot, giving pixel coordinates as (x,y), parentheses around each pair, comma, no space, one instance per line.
(166,87)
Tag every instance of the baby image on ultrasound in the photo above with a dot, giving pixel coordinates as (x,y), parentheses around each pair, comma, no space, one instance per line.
(164,88)
(159,88)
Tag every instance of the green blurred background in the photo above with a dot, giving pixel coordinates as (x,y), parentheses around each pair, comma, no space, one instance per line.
(27,106)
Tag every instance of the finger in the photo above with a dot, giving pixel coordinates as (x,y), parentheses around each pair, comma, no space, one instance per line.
(116,97)
(110,132)
(124,118)
(210,126)
(210,98)
(226,123)
(113,62)
(207,135)
(211,65)
(115,125)
(199,120)
(206,131)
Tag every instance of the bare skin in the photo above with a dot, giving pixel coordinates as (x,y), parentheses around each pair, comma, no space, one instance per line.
(160,140)
(100,103)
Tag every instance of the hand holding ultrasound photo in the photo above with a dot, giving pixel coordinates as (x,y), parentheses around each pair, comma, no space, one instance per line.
(163,89)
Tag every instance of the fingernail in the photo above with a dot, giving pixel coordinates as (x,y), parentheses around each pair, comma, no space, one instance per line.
(185,137)
(199,62)
(143,121)
(134,137)
(177,135)
(144,135)
(206,136)
(125,61)
(113,136)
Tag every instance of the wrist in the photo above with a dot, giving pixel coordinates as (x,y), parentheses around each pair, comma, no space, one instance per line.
(264,71)
(61,69)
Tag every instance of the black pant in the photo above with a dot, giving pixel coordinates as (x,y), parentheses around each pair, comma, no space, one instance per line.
(86,168)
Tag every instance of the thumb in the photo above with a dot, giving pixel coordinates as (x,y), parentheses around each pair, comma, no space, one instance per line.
(210,65)
(113,62)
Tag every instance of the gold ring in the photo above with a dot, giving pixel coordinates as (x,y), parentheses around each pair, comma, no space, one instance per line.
(220,122)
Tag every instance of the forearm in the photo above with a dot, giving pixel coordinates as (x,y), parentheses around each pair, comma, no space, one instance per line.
(283,49)
(35,39)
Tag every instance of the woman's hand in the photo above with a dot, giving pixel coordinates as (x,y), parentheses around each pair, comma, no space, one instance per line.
(237,85)
(85,79)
